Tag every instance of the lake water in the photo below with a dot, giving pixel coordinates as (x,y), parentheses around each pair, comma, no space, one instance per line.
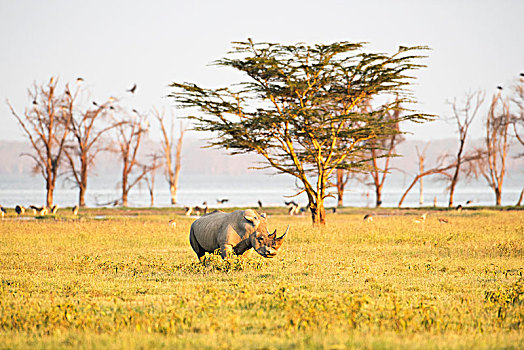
(245,191)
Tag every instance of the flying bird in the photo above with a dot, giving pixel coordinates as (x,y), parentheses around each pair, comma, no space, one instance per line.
(132,90)
(499,87)
(522,74)
(222,201)
(79,79)
(96,104)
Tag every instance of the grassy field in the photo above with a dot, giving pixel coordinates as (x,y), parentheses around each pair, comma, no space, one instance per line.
(127,279)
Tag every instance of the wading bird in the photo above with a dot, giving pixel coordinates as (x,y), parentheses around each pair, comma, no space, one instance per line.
(19,210)
(420,219)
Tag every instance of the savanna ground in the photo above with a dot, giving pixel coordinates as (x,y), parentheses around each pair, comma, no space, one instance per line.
(129,280)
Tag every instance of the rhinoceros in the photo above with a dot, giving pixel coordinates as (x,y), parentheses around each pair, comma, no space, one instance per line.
(234,232)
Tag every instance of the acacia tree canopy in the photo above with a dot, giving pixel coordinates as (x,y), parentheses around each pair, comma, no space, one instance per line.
(299,107)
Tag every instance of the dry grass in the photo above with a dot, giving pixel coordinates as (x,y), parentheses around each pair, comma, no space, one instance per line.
(134,282)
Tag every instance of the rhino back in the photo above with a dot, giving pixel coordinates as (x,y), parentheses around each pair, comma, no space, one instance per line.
(219,227)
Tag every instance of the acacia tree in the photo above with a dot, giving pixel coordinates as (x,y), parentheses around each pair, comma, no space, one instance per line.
(491,162)
(128,140)
(172,153)
(87,128)
(463,116)
(299,108)
(46,124)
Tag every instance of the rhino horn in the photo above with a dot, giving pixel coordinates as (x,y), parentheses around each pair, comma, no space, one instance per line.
(285,233)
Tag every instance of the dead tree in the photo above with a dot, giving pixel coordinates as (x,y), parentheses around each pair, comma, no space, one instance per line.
(46,124)
(463,115)
(172,154)
(382,151)
(518,119)
(151,169)
(492,166)
(440,169)
(342,180)
(87,128)
(128,139)
(421,158)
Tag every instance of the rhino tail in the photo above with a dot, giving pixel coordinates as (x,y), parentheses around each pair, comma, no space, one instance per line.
(195,245)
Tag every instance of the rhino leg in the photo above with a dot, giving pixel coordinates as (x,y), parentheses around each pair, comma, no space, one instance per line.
(226,250)
(196,246)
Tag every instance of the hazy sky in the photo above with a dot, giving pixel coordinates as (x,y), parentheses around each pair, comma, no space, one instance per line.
(113,44)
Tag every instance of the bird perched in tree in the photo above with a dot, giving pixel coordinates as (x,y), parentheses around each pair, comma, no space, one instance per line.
(19,210)
(54,209)
(368,218)
(75,210)
(132,90)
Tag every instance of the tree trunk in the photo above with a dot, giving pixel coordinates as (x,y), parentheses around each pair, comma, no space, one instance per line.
(81,196)
(152,203)
(49,198)
(378,192)
(124,187)
(421,192)
(341,184)
(340,200)
(318,213)
(498,196)
(124,198)
(519,202)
